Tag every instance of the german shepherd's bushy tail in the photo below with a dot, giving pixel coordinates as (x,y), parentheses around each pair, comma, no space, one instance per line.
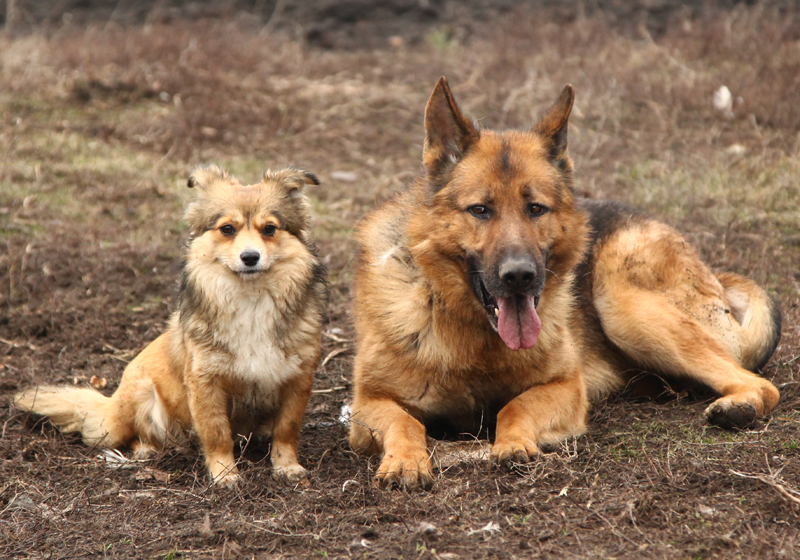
(75,409)
(758,314)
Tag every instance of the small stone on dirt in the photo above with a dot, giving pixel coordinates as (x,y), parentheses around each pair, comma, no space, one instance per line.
(346,176)
(427,528)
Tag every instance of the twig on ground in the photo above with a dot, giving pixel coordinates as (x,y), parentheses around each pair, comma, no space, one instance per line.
(331,390)
(332,355)
(19,344)
(335,338)
(789,493)
(317,537)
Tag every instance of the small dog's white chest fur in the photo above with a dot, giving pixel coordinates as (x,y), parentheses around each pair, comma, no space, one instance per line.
(250,337)
(246,328)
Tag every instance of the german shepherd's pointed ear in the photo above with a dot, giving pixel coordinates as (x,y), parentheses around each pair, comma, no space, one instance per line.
(552,127)
(203,177)
(448,134)
(291,179)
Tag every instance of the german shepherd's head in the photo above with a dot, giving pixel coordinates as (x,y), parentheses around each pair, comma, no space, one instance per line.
(243,230)
(500,206)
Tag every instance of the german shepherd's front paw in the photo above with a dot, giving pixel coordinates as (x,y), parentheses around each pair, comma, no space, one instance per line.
(289,473)
(507,454)
(407,472)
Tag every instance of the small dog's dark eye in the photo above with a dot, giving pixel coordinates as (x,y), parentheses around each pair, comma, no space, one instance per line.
(269,229)
(537,210)
(227,229)
(479,211)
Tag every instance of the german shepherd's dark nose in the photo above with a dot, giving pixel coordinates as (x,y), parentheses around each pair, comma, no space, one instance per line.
(517,273)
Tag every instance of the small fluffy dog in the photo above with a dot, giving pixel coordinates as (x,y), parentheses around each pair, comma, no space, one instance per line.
(240,351)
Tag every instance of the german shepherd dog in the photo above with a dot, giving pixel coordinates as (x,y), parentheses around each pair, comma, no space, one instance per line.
(487,294)
(240,351)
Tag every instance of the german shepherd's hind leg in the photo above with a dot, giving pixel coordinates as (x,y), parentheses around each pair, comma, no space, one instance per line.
(543,415)
(657,335)
(382,425)
(665,310)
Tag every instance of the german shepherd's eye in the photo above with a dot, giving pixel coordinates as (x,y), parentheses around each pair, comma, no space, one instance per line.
(269,230)
(479,211)
(537,210)
(227,230)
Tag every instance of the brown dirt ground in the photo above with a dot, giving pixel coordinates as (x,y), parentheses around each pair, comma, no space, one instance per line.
(102,116)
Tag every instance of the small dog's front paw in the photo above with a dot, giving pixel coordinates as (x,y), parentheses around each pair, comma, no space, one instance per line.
(289,473)
(229,480)
(223,472)
(510,453)
(407,472)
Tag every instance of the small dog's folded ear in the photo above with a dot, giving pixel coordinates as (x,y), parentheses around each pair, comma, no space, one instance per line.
(292,179)
(309,178)
(202,177)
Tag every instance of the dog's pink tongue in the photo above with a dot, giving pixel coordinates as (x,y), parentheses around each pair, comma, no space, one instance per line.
(518,323)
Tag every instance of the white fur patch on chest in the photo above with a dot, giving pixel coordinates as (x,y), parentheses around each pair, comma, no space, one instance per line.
(246,327)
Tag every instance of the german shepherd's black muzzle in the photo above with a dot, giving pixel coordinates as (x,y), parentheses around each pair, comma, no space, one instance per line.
(509,293)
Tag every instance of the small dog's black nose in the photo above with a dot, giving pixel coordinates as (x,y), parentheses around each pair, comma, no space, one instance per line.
(250,258)
(517,274)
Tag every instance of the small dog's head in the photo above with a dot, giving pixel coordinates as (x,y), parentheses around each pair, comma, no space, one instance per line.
(247,228)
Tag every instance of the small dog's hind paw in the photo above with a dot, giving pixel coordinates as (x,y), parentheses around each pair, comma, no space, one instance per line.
(142,450)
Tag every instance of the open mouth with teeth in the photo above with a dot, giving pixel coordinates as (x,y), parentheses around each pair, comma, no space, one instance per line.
(513,316)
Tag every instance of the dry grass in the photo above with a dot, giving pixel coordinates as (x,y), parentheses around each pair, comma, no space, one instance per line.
(102,124)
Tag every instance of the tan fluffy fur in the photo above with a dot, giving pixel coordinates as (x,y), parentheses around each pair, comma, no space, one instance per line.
(621,291)
(239,354)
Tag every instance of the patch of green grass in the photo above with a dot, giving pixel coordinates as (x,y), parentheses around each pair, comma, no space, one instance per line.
(51,177)
(441,39)
(717,194)
(173,554)
(522,519)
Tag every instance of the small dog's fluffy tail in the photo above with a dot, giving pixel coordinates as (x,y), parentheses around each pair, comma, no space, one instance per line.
(74,409)
(760,317)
